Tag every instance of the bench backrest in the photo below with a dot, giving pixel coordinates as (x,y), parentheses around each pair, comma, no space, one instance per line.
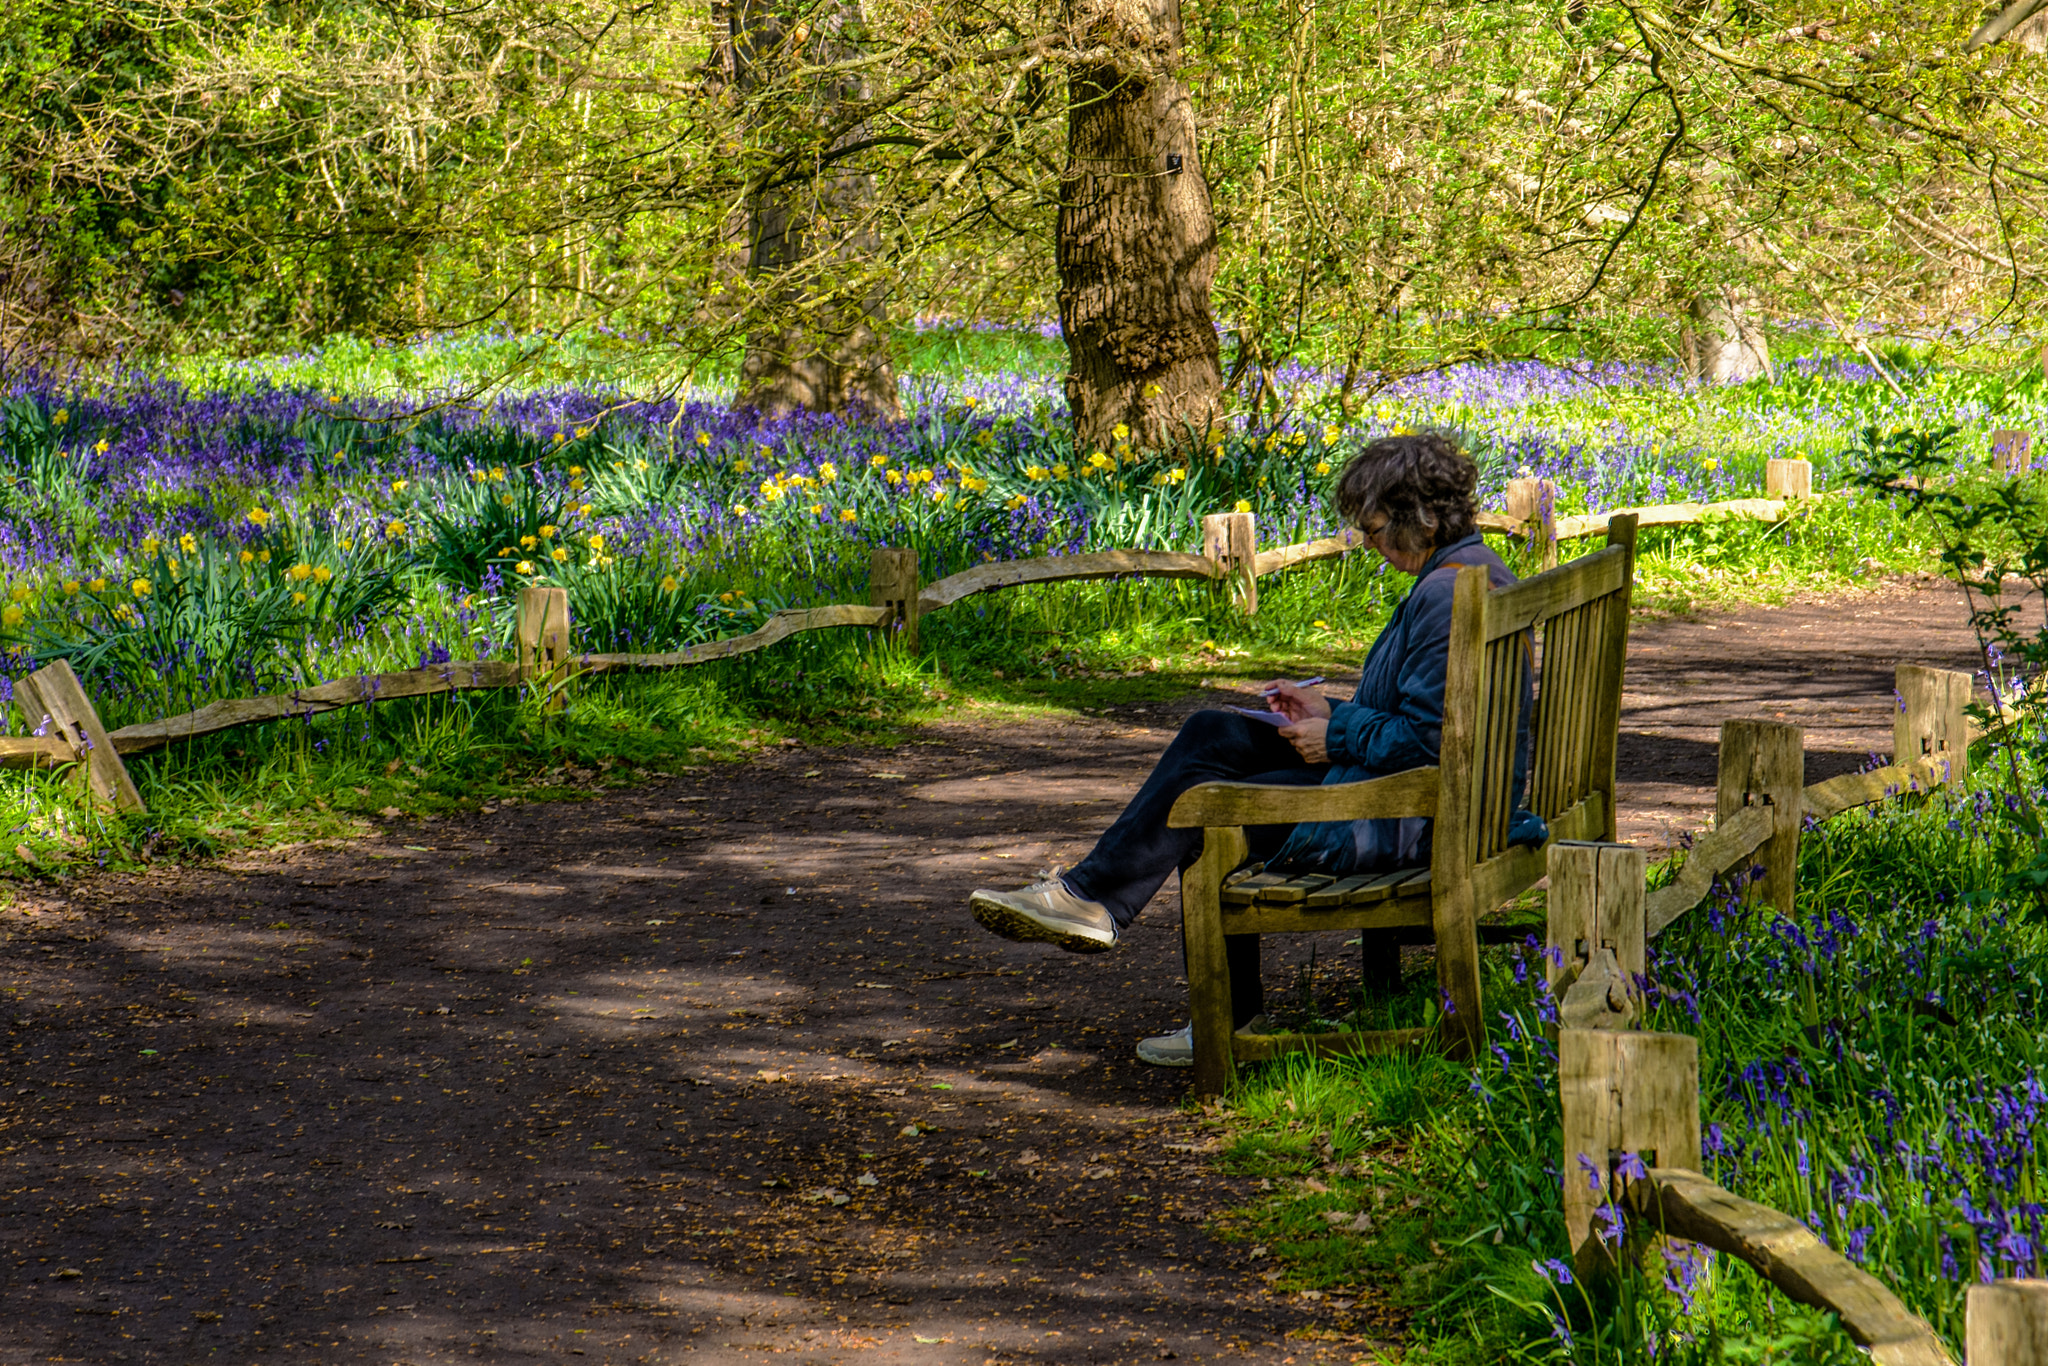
(1571,625)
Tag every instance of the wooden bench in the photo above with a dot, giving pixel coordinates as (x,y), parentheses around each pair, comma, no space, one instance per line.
(1578,613)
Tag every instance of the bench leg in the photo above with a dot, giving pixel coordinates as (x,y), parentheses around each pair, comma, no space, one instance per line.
(1201,923)
(1463,1029)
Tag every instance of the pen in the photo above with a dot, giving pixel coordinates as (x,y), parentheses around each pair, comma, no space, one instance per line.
(1301,683)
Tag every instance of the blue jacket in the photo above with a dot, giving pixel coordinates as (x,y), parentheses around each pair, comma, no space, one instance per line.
(1395,722)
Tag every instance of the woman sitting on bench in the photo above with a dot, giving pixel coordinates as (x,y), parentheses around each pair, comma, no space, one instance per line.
(1412,497)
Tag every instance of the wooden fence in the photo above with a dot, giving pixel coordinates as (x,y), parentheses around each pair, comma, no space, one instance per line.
(1230,559)
(1626,1091)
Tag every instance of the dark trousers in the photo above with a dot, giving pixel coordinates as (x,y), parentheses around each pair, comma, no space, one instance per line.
(1131,861)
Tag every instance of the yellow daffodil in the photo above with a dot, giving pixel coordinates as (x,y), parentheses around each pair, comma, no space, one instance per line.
(817,509)
(71,588)
(300,572)
(828,472)
(1330,435)
(1320,625)
(848,515)
(497,474)
(528,542)
(547,533)
(1120,432)
(141,588)
(560,554)
(399,485)
(879,461)
(394,531)
(1017,500)
(188,544)
(1177,475)
(1035,473)
(523,567)
(20,592)
(582,432)
(892,476)
(1710,464)
(703,438)
(1243,505)
(298,599)
(725,597)
(247,556)
(1322,467)
(1100,461)
(1059,469)
(100,447)
(60,417)
(668,583)
(12,615)
(560,438)
(150,545)
(973,484)
(596,543)
(263,556)
(96,585)
(321,573)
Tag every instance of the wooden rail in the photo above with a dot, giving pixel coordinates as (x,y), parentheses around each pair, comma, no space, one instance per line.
(1231,558)
(1785,1252)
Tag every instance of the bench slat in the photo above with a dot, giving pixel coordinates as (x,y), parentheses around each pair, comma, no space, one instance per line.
(1339,893)
(1294,889)
(1244,892)
(1399,913)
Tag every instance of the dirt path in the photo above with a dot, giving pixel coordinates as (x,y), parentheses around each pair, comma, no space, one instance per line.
(714,1070)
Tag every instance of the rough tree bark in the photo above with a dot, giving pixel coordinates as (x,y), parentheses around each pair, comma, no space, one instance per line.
(1721,341)
(822,342)
(1137,236)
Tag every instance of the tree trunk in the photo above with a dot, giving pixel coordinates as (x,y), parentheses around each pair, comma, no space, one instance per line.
(1137,237)
(821,344)
(1722,343)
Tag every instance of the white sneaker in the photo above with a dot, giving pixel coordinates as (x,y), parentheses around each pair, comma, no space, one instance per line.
(1169,1050)
(1046,912)
(1178,1048)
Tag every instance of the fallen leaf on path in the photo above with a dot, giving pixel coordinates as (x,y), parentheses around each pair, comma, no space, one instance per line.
(1098,1173)
(866,1179)
(1318,1187)
(1028,1158)
(909,1131)
(1362,1224)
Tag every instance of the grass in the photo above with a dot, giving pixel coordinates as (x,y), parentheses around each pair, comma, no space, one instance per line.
(294,519)
(1871,1064)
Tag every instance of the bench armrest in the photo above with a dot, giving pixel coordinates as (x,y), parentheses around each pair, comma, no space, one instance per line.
(1412,793)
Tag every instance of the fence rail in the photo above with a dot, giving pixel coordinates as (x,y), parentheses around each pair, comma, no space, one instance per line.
(1231,560)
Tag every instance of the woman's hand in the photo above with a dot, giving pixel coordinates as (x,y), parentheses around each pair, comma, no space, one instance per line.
(1310,737)
(1296,704)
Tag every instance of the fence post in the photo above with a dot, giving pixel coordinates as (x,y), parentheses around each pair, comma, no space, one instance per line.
(1788,479)
(54,691)
(893,586)
(1595,933)
(1232,540)
(2006,1324)
(2012,451)
(1535,501)
(543,630)
(1931,718)
(1763,763)
(1621,1091)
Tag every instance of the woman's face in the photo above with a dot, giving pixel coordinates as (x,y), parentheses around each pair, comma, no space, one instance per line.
(1407,561)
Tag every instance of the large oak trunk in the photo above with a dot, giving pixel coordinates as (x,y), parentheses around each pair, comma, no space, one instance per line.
(821,344)
(1137,237)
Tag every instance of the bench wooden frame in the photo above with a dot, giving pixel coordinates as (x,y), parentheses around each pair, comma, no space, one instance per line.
(1579,614)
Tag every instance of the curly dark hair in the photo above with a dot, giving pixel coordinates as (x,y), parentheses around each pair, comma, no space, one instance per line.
(1421,481)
